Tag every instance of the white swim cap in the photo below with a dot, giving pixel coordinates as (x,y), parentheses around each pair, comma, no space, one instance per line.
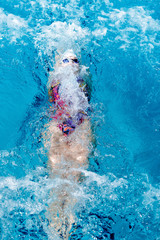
(69,53)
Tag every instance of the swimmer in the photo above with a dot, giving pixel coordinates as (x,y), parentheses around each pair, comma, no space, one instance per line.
(69,131)
(67,136)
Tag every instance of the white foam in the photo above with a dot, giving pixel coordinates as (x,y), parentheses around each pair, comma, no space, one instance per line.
(100,32)
(110,155)
(71,93)
(18,193)
(109,179)
(59,35)
(95,177)
(151,196)
(132,25)
(12,26)
(107,2)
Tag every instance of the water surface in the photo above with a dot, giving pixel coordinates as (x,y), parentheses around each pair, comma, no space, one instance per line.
(119,42)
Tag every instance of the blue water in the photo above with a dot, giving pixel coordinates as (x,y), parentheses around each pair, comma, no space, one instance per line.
(120,43)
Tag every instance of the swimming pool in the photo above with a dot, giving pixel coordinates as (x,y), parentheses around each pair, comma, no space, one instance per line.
(119,42)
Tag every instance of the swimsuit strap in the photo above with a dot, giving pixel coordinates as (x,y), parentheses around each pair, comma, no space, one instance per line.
(55,97)
(53,92)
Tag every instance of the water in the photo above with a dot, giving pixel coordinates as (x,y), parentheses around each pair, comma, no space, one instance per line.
(119,42)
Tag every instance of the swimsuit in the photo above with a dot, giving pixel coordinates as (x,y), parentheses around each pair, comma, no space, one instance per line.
(69,125)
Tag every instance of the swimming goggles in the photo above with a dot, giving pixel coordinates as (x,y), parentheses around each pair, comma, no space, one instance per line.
(66,60)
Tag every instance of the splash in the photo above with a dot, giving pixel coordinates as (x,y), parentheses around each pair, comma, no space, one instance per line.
(12,27)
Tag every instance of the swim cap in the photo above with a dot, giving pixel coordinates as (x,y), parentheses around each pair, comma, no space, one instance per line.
(69,53)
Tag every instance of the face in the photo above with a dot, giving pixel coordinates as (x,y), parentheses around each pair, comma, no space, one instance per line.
(70,60)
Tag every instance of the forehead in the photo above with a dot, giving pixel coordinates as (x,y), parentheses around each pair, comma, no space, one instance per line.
(69,56)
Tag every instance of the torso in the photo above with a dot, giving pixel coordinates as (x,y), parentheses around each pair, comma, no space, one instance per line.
(70,100)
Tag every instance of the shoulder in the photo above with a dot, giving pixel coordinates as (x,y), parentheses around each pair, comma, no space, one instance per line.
(52,80)
(53,92)
(54,85)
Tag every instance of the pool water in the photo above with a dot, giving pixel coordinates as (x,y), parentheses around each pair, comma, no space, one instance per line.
(119,41)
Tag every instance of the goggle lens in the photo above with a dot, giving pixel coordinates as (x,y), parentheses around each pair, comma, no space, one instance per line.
(67,61)
(75,60)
